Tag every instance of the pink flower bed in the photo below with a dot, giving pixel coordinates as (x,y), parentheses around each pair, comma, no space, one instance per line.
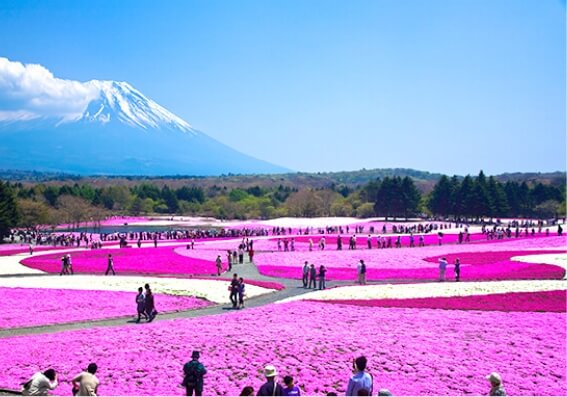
(410,351)
(13,249)
(428,239)
(28,307)
(160,260)
(541,301)
(408,263)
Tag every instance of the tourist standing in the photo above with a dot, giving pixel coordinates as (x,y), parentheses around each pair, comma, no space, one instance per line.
(361,380)
(305,274)
(241,292)
(40,383)
(70,264)
(271,387)
(193,373)
(141,304)
(442,268)
(86,383)
(322,272)
(149,304)
(312,276)
(361,269)
(457,269)
(219,265)
(64,269)
(234,290)
(110,266)
(229,260)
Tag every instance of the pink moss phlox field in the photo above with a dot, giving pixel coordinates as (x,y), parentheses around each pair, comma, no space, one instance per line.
(541,301)
(316,342)
(14,249)
(408,263)
(27,307)
(160,260)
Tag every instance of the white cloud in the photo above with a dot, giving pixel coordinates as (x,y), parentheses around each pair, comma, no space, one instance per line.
(30,91)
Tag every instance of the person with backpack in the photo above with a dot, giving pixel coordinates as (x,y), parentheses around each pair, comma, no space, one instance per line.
(193,372)
(271,387)
(361,381)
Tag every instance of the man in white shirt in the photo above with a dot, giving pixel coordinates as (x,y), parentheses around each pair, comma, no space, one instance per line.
(40,383)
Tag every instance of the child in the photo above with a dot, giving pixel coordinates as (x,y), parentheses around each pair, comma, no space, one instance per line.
(290,389)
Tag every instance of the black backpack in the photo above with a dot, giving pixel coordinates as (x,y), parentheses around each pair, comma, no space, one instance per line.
(363,268)
(192,375)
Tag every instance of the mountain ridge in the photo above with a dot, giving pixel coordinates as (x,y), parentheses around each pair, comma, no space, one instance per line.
(119,132)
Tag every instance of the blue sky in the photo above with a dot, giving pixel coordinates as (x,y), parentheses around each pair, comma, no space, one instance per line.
(449,86)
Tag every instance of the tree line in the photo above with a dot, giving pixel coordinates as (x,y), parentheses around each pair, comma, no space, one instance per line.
(451,197)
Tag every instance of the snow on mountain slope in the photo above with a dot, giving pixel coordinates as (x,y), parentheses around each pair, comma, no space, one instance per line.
(120,101)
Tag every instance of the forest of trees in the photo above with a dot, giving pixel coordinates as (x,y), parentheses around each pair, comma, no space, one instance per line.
(452,197)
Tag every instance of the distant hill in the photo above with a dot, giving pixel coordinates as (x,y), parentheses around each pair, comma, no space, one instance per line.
(424,180)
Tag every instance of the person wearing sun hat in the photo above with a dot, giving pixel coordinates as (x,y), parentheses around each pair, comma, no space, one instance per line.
(270,388)
(193,372)
(496,384)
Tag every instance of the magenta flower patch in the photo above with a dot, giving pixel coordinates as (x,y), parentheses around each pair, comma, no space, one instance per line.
(410,351)
(27,307)
(541,301)
(160,260)
(478,261)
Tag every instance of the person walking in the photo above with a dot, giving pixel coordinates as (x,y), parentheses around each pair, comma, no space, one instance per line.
(149,304)
(219,265)
(305,274)
(241,292)
(141,304)
(110,266)
(64,268)
(271,387)
(70,264)
(86,383)
(234,290)
(457,269)
(193,373)
(361,381)
(312,276)
(442,268)
(40,383)
(322,272)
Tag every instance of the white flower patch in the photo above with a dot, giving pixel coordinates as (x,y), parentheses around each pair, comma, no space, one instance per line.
(211,290)
(550,259)
(431,290)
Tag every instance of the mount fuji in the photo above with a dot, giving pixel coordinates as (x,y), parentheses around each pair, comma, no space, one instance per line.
(118,131)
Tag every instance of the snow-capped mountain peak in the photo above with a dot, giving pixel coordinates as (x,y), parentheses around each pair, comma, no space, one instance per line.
(119,101)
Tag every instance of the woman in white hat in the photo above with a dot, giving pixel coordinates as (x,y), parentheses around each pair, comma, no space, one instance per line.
(270,388)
